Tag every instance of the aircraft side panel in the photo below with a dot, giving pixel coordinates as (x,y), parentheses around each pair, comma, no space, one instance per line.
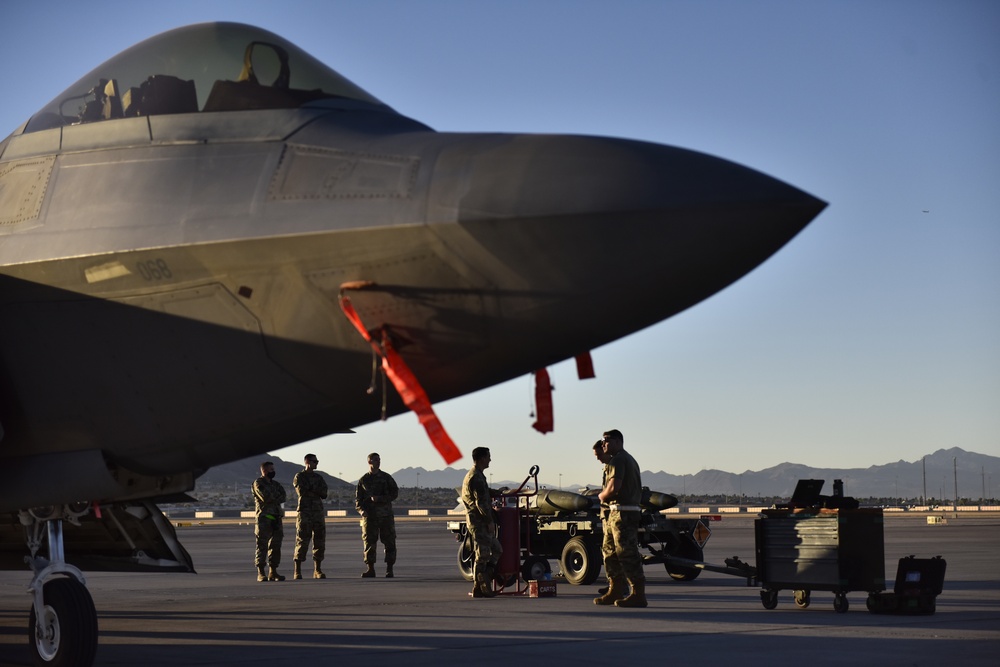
(22,188)
(171,377)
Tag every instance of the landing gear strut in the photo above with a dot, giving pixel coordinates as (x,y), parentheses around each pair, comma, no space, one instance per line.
(62,627)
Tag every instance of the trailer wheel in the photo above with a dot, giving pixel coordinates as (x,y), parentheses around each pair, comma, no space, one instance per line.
(535,567)
(840,603)
(580,562)
(801,599)
(691,551)
(466,558)
(769,599)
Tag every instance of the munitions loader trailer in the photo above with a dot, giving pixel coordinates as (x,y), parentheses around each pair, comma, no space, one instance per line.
(567,527)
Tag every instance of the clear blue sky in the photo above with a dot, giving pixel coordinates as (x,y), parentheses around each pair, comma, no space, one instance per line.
(873,336)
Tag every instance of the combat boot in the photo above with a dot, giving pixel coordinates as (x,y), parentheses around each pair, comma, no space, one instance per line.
(261,575)
(636,599)
(370,572)
(616,591)
(273,575)
(482,584)
(388,571)
(297,569)
(318,573)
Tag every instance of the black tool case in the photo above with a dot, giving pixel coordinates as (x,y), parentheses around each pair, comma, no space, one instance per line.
(918,583)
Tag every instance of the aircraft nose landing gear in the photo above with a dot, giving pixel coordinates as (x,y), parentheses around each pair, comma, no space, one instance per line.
(62,627)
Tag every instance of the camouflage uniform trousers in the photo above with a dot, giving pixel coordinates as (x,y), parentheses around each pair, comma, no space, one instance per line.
(374,528)
(268,533)
(310,525)
(484,542)
(621,547)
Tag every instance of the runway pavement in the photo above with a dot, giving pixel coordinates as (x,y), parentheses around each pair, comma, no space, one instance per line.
(223,616)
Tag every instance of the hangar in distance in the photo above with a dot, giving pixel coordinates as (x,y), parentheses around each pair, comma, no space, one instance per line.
(208,241)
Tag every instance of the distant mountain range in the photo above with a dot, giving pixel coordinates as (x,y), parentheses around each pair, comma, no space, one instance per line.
(901,479)
(241,474)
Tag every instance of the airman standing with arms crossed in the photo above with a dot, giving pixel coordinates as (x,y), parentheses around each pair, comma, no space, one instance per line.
(622,492)
(311,521)
(268,498)
(477,497)
(373,499)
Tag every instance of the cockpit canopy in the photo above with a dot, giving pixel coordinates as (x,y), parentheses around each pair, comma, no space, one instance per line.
(199,68)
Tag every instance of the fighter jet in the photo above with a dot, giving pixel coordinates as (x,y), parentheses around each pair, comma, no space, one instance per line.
(213,246)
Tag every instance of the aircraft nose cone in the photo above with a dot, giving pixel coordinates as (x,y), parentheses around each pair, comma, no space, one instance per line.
(658,227)
(517,176)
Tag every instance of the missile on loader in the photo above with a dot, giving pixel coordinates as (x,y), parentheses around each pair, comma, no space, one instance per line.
(654,501)
(551,502)
(558,502)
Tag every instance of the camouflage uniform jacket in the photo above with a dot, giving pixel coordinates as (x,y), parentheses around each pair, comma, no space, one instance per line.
(625,468)
(604,483)
(312,490)
(379,483)
(477,498)
(269,496)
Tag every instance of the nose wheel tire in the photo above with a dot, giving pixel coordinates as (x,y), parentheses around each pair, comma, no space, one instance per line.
(66,633)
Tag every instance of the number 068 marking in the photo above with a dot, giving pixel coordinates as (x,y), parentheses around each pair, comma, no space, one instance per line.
(154,269)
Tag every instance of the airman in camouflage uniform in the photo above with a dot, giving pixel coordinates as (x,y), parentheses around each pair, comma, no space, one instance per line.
(603,459)
(477,498)
(373,500)
(268,497)
(623,493)
(311,521)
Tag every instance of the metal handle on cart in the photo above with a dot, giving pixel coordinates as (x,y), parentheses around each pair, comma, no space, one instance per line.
(532,474)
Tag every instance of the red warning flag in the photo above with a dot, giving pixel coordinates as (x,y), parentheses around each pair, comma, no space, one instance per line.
(584,366)
(415,398)
(543,402)
(352,315)
(406,383)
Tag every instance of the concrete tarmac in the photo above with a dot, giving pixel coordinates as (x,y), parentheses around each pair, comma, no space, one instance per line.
(424,616)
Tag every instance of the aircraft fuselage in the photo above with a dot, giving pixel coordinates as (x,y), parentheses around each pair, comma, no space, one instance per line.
(169,282)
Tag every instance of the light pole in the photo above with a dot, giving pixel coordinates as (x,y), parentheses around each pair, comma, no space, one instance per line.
(923,461)
(954,463)
(560,481)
